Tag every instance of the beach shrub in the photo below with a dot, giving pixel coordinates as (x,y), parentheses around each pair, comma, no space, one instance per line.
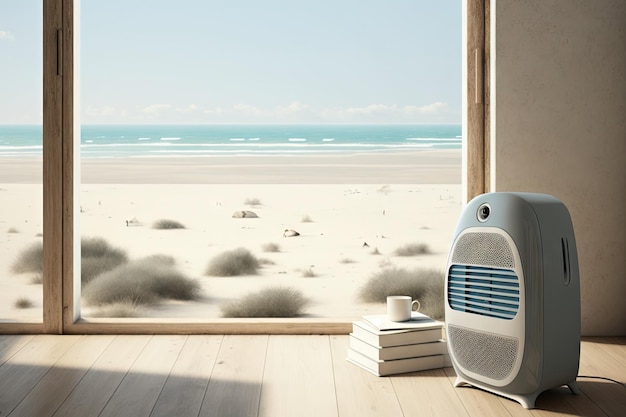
(413,249)
(141,282)
(233,263)
(252,202)
(306,219)
(12,230)
(164,260)
(165,224)
(269,302)
(29,260)
(124,309)
(424,285)
(346,261)
(270,247)
(22,303)
(98,257)
(37,278)
(308,273)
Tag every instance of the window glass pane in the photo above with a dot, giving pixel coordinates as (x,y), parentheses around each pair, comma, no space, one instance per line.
(21,214)
(214,131)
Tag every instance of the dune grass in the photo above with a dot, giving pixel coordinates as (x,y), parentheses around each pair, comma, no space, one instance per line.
(12,230)
(269,302)
(29,259)
(164,260)
(270,247)
(232,263)
(97,257)
(425,285)
(308,272)
(22,303)
(123,309)
(37,278)
(413,249)
(166,224)
(252,202)
(306,219)
(141,282)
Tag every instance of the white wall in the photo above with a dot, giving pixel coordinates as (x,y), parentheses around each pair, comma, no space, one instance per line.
(559,127)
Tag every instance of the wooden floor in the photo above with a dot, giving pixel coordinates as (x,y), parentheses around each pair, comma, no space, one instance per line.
(272,376)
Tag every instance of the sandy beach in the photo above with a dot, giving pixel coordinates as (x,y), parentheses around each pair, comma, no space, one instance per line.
(336,203)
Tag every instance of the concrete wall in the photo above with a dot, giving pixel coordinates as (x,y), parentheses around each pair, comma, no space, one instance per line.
(558,126)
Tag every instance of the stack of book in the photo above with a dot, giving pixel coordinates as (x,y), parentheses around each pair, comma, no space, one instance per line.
(383,347)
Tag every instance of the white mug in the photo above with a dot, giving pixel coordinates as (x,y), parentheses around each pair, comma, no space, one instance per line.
(399,307)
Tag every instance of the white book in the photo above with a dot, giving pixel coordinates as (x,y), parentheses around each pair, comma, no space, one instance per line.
(385,338)
(397,352)
(398,366)
(418,321)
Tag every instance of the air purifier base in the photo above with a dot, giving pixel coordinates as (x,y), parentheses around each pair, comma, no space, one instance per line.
(527,401)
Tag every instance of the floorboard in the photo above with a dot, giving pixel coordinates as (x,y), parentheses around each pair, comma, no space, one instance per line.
(103,378)
(428,393)
(26,367)
(298,378)
(187,383)
(235,385)
(9,345)
(266,376)
(139,390)
(360,393)
(56,385)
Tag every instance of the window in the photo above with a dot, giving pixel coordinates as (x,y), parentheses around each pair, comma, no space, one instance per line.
(62,204)
(21,223)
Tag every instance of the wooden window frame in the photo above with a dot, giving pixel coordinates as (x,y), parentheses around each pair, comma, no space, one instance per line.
(61,179)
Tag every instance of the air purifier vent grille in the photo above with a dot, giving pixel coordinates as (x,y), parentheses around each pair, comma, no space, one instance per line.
(485,354)
(492,292)
(482,248)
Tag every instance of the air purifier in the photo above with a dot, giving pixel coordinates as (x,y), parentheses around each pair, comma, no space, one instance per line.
(512,296)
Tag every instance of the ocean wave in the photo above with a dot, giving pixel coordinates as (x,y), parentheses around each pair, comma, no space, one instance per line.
(17,147)
(434,140)
(170,138)
(255,145)
(297,139)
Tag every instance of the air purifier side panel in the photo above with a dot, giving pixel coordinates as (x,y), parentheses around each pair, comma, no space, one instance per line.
(561,295)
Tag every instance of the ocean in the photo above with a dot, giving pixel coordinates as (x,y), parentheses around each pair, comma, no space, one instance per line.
(136,141)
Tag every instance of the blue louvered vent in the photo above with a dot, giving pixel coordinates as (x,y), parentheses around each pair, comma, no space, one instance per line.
(492,292)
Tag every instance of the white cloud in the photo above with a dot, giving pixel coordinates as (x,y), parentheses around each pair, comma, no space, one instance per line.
(156,108)
(6,35)
(102,111)
(294,112)
(383,113)
(434,108)
(247,110)
(189,109)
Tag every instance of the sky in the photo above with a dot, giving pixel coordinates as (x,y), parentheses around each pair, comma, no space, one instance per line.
(245,61)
